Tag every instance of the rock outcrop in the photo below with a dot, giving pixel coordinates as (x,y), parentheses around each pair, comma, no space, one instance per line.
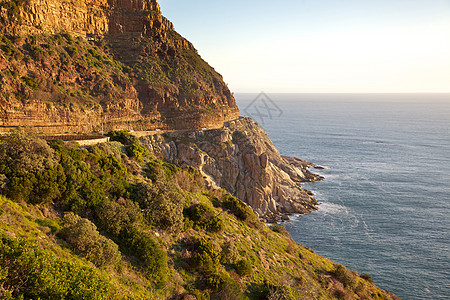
(91,65)
(242,159)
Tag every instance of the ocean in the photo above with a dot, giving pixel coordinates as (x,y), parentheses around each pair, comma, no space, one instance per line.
(385,200)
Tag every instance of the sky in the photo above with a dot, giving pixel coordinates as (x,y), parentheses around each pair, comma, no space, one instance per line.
(321,46)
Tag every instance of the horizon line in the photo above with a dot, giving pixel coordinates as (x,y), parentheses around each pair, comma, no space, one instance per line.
(366,93)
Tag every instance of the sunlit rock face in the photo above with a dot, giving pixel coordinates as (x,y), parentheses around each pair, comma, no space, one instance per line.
(241,158)
(90,65)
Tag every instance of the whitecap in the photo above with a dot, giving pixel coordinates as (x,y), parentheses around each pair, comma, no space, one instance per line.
(333,208)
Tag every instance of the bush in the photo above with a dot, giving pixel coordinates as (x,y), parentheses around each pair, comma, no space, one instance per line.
(238,208)
(159,171)
(152,256)
(366,277)
(230,253)
(199,295)
(133,147)
(244,267)
(30,82)
(345,276)
(31,168)
(216,224)
(208,256)
(204,217)
(123,137)
(89,177)
(162,205)
(24,153)
(280,229)
(83,236)
(267,290)
(72,51)
(114,217)
(27,272)
(52,224)
(224,288)
(137,151)
(186,182)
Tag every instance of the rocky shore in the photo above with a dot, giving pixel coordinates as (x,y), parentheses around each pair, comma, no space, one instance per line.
(241,158)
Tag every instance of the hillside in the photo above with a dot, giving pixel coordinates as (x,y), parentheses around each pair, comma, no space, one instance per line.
(83,66)
(178,215)
(136,227)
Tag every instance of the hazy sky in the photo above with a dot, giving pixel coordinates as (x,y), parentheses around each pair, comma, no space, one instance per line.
(321,45)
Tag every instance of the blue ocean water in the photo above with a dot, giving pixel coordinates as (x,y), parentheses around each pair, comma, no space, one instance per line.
(385,200)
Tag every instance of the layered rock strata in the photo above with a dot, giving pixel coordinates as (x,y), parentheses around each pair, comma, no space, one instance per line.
(91,65)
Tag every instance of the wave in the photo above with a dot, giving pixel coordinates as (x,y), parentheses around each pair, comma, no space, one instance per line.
(333,208)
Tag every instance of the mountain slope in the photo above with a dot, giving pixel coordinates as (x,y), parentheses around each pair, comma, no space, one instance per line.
(84,66)
(136,227)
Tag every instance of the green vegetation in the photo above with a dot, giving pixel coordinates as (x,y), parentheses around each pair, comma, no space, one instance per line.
(32,273)
(142,229)
(83,236)
(280,229)
(94,74)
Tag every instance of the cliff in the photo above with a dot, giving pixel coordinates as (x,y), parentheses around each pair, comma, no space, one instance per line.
(242,159)
(91,65)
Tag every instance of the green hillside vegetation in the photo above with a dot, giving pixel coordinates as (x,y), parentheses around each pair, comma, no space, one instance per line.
(112,221)
(92,75)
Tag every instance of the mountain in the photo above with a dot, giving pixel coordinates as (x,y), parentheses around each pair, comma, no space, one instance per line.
(114,221)
(174,215)
(83,66)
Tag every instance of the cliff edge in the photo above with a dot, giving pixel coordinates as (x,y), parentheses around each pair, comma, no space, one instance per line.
(242,159)
(97,65)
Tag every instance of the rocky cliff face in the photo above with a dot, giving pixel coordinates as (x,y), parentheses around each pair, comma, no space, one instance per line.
(89,65)
(88,18)
(242,159)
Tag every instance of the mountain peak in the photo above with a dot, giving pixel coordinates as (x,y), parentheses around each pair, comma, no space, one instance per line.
(83,65)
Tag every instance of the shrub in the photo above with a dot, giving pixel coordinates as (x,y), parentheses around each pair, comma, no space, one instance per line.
(31,168)
(133,147)
(123,137)
(238,208)
(216,224)
(280,229)
(270,291)
(366,277)
(244,267)
(199,295)
(114,217)
(72,51)
(162,205)
(22,152)
(32,273)
(30,82)
(208,256)
(230,252)
(341,293)
(204,217)
(159,171)
(152,256)
(224,288)
(215,282)
(186,182)
(345,276)
(52,224)
(83,236)
(137,151)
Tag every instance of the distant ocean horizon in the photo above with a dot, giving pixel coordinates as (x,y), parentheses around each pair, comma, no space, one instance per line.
(385,200)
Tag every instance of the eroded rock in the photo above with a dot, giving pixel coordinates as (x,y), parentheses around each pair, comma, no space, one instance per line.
(242,159)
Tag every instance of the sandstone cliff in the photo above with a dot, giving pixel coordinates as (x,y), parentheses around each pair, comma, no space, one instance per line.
(241,158)
(90,65)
